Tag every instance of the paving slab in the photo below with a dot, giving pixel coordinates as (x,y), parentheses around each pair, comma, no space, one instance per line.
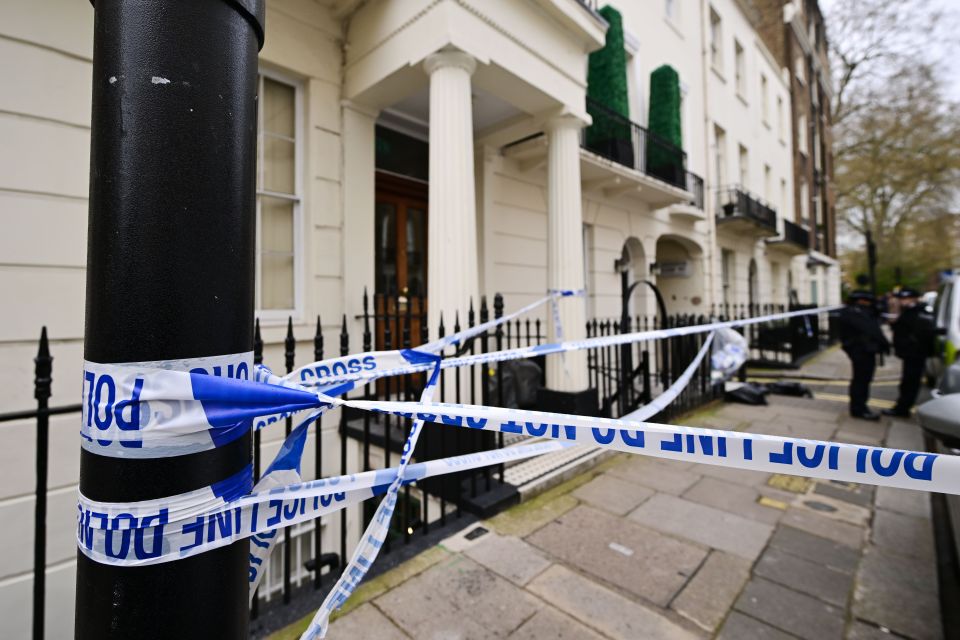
(613,494)
(905,435)
(509,557)
(905,501)
(858,494)
(709,595)
(705,525)
(637,559)
(550,623)
(741,627)
(605,610)
(457,598)
(906,535)
(655,475)
(849,437)
(735,498)
(861,631)
(832,509)
(823,551)
(366,621)
(805,576)
(790,611)
(811,522)
(899,593)
(737,476)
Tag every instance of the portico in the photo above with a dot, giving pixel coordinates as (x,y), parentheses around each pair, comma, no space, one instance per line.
(471,87)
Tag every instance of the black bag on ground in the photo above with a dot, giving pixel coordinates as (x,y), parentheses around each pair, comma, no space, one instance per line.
(790,389)
(747,393)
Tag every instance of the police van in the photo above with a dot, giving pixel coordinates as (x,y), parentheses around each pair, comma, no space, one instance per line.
(946,313)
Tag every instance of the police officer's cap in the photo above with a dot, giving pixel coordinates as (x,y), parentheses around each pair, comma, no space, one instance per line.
(908,293)
(857,296)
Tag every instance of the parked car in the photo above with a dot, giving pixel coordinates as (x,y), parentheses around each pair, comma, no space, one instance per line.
(946,313)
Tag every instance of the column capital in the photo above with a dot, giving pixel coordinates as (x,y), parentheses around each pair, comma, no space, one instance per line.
(564,121)
(449,58)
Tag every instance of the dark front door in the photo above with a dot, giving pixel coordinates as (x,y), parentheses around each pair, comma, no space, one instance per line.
(401,261)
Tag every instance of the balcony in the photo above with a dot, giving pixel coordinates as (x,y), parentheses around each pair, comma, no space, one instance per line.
(739,211)
(617,138)
(618,157)
(794,241)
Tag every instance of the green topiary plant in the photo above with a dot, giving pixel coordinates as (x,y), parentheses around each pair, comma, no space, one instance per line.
(664,146)
(609,135)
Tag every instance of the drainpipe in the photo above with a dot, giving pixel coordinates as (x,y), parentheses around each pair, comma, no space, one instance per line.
(709,202)
(170,275)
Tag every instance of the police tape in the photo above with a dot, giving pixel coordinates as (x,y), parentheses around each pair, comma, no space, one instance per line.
(148,410)
(176,527)
(158,409)
(377,364)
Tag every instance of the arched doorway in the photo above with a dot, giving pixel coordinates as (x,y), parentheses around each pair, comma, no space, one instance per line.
(635,258)
(679,274)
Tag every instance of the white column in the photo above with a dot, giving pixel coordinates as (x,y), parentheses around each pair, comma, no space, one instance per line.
(567,372)
(452,228)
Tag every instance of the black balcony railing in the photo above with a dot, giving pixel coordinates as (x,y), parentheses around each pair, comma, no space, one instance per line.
(695,186)
(734,201)
(625,142)
(796,234)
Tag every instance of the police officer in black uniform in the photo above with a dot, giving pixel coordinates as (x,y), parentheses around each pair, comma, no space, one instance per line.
(862,340)
(913,340)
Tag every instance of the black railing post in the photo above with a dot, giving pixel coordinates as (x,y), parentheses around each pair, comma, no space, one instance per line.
(257,359)
(41,391)
(170,275)
(344,350)
(498,313)
(318,465)
(289,353)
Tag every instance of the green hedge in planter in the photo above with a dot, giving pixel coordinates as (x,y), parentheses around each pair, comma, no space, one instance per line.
(665,160)
(609,135)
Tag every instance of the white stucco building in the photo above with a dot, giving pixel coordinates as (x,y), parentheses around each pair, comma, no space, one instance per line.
(414,148)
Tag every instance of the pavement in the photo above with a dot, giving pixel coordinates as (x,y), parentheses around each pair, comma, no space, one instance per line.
(645,548)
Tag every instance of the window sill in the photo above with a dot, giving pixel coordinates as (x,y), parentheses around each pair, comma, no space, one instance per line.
(742,99)
(718,72)
(767,124)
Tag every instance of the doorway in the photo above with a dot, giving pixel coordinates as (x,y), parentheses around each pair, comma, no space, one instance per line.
(400,303)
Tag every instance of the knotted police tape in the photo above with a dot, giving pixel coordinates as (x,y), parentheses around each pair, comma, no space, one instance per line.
(161,409)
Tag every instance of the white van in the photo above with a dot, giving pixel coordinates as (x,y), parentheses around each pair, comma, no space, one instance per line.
(946,313)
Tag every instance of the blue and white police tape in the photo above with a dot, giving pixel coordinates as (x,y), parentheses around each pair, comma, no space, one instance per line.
(167,529)
(149,410)
(370,366)
(828,460)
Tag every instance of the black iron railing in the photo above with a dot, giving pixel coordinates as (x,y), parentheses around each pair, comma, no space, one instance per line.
(735,201)
(625,142)
(695,186)
(796,234)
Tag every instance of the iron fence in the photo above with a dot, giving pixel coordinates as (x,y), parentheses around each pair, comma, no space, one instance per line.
(625,377)
(736,201)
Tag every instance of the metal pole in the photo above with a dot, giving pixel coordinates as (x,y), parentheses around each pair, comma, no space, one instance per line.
(170,271)
(872,263)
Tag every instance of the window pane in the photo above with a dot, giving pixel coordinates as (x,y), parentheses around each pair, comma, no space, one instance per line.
(416,251)
(278,165)
(386,253)
(278,108)
(276,253)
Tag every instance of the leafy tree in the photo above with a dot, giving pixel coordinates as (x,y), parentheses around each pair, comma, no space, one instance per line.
(896,162)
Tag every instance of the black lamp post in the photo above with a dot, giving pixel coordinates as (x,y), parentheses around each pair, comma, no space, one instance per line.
(170,273)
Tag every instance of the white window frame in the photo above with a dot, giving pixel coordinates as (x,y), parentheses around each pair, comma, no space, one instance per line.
(278,316)
(716,40)
(740,70)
